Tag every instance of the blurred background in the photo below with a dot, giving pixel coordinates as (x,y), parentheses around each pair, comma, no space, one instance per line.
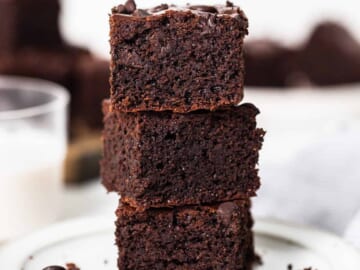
(303,72)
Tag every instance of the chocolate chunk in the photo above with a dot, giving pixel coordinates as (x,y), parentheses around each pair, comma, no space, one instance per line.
(54,267)
(229,4)
(159,8)
(209,9)
(226,210)
(141,13)
(119,9)
(130,6)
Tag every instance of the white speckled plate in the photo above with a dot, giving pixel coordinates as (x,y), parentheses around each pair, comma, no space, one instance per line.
(89,244)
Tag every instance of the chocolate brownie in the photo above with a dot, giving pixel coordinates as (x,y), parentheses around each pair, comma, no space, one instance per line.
(178,59)
(158,159)
(269,63)
(92,86)
(331,55)
(53,65)
(192,237)
(29,23)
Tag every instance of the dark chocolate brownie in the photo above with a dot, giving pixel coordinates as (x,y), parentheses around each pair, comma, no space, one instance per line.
(92,86)
(162,158)
(29,23)
(331,55)
(53,65)
(192,237)
(269,63)
(178,59)
(47,64)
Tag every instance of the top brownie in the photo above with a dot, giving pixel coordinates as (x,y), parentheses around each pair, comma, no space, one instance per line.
(178,59)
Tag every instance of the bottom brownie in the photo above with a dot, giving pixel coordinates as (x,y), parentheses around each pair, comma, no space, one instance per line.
(193,237)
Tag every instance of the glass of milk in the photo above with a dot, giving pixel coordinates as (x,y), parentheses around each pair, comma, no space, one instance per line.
(33,132)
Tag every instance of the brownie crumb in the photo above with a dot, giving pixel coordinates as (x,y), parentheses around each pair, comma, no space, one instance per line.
(71,266)
(290,267)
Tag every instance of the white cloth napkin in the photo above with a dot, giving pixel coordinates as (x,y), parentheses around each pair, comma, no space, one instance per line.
(319,186)
(352,233)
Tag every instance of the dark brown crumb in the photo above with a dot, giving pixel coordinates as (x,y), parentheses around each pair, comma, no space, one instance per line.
(71,266)
(290,267)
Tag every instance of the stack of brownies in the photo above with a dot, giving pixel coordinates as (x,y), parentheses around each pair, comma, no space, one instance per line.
(177,147)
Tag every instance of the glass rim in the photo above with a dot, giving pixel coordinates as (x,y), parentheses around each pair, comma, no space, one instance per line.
(61,96)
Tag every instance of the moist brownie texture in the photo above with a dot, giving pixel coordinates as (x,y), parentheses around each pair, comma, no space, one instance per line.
(29,23)
(178,59)
(158,159)
(192,237)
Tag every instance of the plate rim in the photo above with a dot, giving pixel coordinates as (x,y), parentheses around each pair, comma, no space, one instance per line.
(284,230)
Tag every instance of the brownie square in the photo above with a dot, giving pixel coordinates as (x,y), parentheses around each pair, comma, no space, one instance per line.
(92,86)
(331,55)
(29,23)
(270,64)
(156,159)
(178,59)
(52,65)
(193,237)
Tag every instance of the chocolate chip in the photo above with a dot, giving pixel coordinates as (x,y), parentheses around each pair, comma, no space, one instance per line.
(119,9)
(54,267)
(209,9)
(229,4)
(141,13)
(159,8)
(225,211)
(130,6)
